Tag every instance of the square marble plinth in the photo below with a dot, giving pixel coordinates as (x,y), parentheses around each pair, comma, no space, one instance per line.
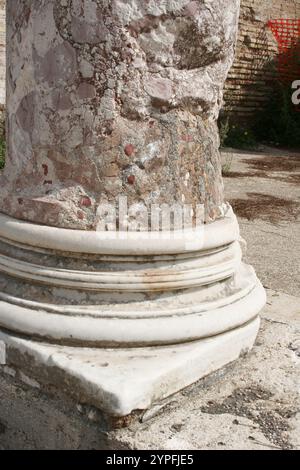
(119,381)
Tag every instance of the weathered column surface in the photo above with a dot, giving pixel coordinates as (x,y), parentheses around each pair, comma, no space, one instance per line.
(107,97)
(106,100)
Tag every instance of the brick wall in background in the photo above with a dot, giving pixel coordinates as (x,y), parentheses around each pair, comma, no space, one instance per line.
(251,78)
(248,81)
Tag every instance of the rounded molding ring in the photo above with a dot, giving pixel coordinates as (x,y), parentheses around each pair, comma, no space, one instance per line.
(152,330)
(205,237)
(140,293)
(161,275)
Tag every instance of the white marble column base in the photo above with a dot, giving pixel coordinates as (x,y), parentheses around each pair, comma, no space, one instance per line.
(123,320)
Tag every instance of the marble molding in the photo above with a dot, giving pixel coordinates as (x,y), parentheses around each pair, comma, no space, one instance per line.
(122,319)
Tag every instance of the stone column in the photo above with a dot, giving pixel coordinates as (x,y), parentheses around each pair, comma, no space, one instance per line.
(113,104)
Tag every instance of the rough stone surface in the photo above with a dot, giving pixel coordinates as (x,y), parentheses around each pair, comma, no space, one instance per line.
(41,422)
(2,55)
(111,97)
(249,80)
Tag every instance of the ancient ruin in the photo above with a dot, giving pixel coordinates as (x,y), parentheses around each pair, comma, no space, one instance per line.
(107,101)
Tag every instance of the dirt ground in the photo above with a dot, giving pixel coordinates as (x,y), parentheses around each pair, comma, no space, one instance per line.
(264,190)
